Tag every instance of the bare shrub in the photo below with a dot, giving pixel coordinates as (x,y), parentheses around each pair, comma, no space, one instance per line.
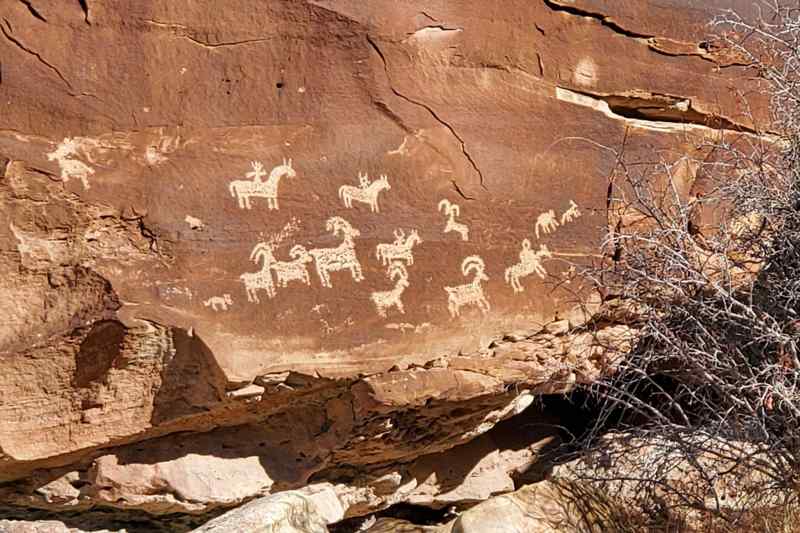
(714,276)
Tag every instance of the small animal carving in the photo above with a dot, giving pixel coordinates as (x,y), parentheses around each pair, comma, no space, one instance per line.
(470,293)
(342,257)
(392,298)
(530,262)
(546,222)
(294,270)
(400,249)
(243,190)
(367,192)
(219,303)
(66,154)
(571,213)
(452,211)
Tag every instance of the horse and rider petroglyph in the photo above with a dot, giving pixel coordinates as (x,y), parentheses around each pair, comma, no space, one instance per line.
(244,190)
(400,249)
(367,192)
(469,293)
(530,262)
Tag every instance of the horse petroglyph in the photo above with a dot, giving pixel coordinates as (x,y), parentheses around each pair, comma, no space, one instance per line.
(392,298)
(66,154)
(219,303)
(342,257)
(452,211)
(243,190)
(367,192)
(546,222)
(571,213)
(530,262)
(469,293)
(400,249)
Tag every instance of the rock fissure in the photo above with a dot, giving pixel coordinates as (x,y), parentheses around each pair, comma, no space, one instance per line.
(85,8)
(651,110)
(600,17)
(183,32)
(8,30)
(33,10)
(431,111)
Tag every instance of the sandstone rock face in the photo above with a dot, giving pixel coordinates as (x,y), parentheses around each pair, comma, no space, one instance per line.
(250,248)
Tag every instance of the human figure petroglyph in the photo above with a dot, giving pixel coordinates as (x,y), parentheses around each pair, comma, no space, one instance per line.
(66,153)
(469,293)
(219,303)
(571,213)
(392,298)
(243,190)
(367,192)
(546,222)
(400,249)
(342,257)
(530,262)
(452,211)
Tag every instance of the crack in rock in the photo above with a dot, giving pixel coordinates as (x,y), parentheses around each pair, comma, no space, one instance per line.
(603,19)
(33,11)
(658,112)
(179,30)
(433,113)
(659,45)
(7,30)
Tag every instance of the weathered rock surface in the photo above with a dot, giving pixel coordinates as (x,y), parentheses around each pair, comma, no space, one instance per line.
(210,292)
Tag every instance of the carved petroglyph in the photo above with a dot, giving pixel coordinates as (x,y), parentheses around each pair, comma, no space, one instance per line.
(452,211)
(243,190)
(295,269)
(255,281)
(342,257)
(66,154)
(530,262)
(405,326)
(469,293)
(367,192)
(194,222)
(571,213)
(392,298)
(546,223)
(219,303)
(400,249)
